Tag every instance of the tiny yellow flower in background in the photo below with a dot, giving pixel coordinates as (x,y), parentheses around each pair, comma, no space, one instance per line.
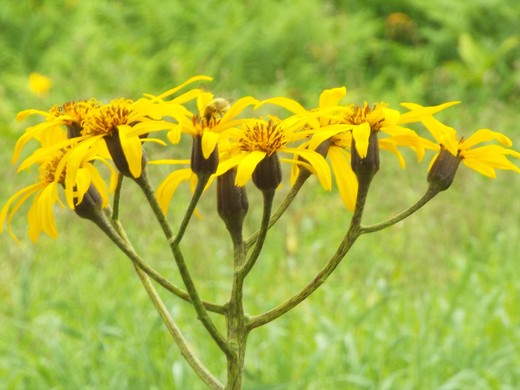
(39,84)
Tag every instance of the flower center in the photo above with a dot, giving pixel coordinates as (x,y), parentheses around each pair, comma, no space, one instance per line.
(48,169)
(106,119)
(77,110)
(364,114)
(260,136)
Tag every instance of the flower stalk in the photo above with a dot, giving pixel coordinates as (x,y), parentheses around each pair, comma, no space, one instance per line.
(332,141)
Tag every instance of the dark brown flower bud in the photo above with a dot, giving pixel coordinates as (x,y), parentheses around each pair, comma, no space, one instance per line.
(199,164)
(232,204)
(113,143)
(90,205)
(268,173)
(443,170)
(366,168)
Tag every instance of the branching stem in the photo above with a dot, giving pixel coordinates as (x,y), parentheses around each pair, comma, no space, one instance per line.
(144,182)
(428,195)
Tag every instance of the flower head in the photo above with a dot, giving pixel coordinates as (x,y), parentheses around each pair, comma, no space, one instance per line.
(484,159)
(260,139)
(52,174)
(70,114)
(212,120)
(113,123)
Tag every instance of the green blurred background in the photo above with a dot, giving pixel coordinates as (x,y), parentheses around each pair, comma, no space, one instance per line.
(432,303)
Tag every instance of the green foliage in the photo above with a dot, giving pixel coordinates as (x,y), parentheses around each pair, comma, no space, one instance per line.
(431,303)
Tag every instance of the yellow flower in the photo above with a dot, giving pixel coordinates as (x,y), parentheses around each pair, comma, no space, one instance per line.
(259,139)
(114,124)
(53,164)
(39,84)
(70,114)
(483,159)
(327,130)
(210,124)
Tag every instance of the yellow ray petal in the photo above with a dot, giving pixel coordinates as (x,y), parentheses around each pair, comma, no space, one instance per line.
(332,97)
(361,134)
(247,166)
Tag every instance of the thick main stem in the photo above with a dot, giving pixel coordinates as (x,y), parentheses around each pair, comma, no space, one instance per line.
(237,323)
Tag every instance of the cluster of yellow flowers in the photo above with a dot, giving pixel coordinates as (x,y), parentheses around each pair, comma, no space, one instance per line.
(76,134)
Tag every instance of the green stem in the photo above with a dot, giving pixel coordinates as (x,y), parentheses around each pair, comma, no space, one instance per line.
(202,180)
(191,358)
(117,235)
(144,182)
(117,197)
(237,322)
(352,235)
(428,195)
(243,270)
(298,184)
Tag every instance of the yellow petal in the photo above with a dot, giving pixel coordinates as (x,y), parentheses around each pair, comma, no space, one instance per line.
(325,133)
(480,167)
(189,81)
(98,182)
(226,165)
(45,200)
(418,112)
(247,166)
(345,178)
(332,97)
(30,133)
(17,200)
(361,134)
(167,188)
(288,104)
(148,127)
(209,142)
(237,107)
(317,163)
(485,135)
(25,113)
(174,135)
(132,149)
(386,144)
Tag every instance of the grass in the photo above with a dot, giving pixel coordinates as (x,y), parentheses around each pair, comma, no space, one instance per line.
(431,303)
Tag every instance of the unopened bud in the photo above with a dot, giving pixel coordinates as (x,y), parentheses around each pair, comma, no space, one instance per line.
(199,164)
(366,168)
(443,170)
(232,204)
(268,173)
(90,205)
(113,143)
